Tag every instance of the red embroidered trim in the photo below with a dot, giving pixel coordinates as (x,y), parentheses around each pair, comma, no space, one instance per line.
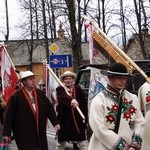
(73,93)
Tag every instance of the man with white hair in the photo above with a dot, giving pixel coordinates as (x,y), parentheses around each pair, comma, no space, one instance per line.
(72,126)
(26,115)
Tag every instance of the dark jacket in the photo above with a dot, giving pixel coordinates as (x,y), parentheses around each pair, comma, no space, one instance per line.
(69,118)
(29,128)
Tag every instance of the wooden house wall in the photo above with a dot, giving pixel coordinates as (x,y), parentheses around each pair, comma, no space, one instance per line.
(37,69)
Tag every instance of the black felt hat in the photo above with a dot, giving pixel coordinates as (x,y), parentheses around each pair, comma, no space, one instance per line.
(118,69)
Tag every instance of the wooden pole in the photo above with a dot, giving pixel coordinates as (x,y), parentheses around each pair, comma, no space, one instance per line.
(117,49)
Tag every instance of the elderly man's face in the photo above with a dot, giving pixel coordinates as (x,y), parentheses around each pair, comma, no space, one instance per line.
(68,81)
(118,82)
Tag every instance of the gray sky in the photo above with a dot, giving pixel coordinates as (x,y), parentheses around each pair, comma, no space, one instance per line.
(14,15)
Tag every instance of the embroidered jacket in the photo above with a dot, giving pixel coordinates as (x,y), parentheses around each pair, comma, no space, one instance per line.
(144,97)
(103,114)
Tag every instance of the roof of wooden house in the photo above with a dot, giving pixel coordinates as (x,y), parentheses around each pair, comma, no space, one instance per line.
(19,51)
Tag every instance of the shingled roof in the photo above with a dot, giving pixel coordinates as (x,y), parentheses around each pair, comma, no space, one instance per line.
(133,47)
(19,51)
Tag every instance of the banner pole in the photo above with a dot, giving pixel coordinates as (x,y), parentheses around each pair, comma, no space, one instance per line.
(126,57)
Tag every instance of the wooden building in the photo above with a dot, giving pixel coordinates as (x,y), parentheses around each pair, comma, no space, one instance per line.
(19,52)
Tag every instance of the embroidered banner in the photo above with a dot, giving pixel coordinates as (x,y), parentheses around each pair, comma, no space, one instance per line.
(96,53)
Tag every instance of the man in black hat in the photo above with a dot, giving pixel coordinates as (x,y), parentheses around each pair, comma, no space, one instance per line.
(115,117)
(144,98)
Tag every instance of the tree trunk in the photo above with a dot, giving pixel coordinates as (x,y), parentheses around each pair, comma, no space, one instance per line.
(123,25)
(7,21)
(138,16)
(45,31)
(76,37)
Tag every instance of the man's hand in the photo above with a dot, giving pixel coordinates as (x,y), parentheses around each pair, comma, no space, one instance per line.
(7,139)
(74,103)
(57,128)
(3,104)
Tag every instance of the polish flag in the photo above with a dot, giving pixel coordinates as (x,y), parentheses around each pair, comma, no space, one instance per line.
(8,74)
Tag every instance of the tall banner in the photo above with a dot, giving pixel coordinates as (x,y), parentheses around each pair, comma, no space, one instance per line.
(51,85)
(8,75)
(90,29)
(54,82)
(97,54)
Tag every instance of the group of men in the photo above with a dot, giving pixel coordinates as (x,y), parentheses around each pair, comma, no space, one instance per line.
(28,109)
(115,115)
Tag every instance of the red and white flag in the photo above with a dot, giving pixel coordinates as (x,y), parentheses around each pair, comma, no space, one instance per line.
(8,74)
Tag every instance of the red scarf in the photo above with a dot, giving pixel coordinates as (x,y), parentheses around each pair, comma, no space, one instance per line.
(73,94)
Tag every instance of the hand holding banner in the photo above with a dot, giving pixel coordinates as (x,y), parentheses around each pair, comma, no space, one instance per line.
(61,84)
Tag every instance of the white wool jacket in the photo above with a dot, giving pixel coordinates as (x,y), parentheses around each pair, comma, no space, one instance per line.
(102,119)
(144,97)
